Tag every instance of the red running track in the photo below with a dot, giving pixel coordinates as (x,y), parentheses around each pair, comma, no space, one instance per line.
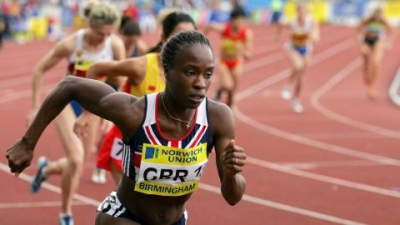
(336,163)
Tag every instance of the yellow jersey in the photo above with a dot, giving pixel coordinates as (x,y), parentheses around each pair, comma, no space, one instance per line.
(152,81)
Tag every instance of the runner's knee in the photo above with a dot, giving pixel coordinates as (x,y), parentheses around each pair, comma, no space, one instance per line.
(76,161)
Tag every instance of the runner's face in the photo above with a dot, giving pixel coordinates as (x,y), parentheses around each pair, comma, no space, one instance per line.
(99,33)
(239,22)
(301,11)
(191,74)
(130,41)
(378,14)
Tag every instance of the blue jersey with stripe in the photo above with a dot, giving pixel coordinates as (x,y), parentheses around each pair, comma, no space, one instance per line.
(164,166)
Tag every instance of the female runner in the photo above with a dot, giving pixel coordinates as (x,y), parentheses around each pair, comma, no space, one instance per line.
(304,33)
(80,49)
(167,136)
(371,36)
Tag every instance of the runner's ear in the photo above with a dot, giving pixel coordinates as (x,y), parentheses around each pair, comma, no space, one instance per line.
(166,72)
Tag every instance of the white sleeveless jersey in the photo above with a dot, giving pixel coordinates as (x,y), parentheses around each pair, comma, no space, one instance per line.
(301,35)
(80,60)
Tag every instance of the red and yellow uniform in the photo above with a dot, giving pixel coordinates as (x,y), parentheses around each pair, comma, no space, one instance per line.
(229,46)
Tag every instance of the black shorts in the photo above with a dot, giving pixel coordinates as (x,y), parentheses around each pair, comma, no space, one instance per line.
(371,41)
(113,207)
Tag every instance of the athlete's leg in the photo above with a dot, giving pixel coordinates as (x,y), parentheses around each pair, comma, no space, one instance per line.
(298,84)
(90,144)
(366,52)
(225,78)
(297,64)
(70,167)
(236,74)
(375,66)
(89,141)
(298,79)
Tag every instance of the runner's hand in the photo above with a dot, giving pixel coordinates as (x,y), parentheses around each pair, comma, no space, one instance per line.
(19,156)
(232,159)
(81,126)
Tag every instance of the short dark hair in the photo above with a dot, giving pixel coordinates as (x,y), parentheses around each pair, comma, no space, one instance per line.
(171,48)
(129,27)
(238,12)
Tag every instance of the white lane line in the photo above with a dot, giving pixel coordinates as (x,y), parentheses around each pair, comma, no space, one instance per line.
(335,49)
(206,187)
(50,187)
(30,205)
(286,208)
(337,78)
(297,138)
(342,135)
(341,164)
(394,89)
(24,94)
(306,141)
(323,178)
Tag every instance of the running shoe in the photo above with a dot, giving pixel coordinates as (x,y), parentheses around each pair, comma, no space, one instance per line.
(99,176)
(297,106)
(286,92)
(66,220)
(40,176)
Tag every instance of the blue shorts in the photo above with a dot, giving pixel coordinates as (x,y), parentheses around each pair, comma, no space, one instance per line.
(77,108)
(301,50)
(113,207)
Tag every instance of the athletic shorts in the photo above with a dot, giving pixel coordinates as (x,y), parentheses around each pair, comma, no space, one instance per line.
(231,63)
(301,50)
(76,107)
(370,41)
(111,150)
(113,207)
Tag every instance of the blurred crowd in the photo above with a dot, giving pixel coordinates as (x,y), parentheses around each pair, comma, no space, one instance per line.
(24,20)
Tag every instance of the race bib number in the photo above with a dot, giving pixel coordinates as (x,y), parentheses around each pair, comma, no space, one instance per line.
(169,171)
(117,148)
